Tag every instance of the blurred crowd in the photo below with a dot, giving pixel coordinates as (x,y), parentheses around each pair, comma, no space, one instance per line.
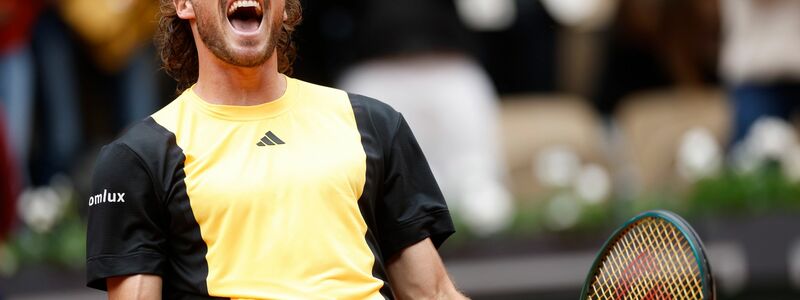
(59,62)
(487,86)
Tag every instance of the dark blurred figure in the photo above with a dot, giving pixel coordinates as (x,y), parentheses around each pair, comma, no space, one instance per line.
(87,64)
(336,34)
(57,134)
(417,56)
(761,59)
(656,44)
(27,76)
(522,58)
(42,80)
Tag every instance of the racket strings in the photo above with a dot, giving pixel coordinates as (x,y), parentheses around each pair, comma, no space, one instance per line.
(651,260)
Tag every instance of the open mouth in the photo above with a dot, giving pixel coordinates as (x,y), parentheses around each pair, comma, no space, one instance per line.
(245,15)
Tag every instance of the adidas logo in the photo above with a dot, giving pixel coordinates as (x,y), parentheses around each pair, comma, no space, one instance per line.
(270,139)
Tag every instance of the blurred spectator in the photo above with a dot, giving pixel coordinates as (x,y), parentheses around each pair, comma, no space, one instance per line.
(59,132)
(39,74)
(17,18)
(23,72)
(760,61)
(656,44)
(119,40)
(417,57)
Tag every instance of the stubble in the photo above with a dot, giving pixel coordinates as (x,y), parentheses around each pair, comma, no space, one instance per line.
(211,35)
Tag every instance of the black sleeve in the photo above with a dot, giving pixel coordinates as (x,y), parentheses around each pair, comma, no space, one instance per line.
(125,221)
(413,205)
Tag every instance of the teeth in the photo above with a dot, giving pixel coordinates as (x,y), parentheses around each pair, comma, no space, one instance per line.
(244,3)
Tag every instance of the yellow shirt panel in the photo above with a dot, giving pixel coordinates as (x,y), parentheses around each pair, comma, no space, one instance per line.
(280,221)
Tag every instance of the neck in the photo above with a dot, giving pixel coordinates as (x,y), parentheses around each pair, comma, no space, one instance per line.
(221,83)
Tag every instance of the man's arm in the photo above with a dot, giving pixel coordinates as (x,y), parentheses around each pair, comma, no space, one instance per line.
(418,273)
(134,287)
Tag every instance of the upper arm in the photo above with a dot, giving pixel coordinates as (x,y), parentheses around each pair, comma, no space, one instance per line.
(125,233)
(411,206)
(417,272)
(134,287)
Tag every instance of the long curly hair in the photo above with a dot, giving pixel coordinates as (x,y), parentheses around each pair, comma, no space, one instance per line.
(178,52)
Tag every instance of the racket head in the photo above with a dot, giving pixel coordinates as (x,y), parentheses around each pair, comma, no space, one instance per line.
(655,255)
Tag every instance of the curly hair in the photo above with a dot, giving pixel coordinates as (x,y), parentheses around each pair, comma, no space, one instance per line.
(178,52)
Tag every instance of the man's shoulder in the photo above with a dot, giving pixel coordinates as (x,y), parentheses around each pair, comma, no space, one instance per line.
(145,138)
(375,116)
(372,106)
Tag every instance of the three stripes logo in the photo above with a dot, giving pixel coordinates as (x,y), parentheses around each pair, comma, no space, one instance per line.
(270,139)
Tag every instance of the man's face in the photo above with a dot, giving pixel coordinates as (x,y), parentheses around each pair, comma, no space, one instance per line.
(239,32)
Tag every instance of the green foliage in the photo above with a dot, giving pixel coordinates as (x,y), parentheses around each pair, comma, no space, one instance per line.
(762,191)
(63,246)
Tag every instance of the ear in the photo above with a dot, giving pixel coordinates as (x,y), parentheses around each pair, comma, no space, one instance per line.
(285,16)
(184,9)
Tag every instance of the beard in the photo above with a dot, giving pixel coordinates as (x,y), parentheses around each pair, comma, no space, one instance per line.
(211,35)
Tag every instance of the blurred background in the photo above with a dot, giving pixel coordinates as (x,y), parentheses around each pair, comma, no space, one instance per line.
(547,123)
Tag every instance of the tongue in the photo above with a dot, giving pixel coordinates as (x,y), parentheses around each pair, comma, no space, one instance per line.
(248,25)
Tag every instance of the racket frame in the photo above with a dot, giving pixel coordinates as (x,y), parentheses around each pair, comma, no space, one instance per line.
(709,290)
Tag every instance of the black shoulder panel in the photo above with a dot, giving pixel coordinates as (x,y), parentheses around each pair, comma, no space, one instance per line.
(156,221)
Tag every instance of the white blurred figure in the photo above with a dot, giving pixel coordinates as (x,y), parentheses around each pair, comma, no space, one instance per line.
(593,184)
(450,103)
(582,14)
(762,39)
(769,139)
(41,208)
(759,60)
(556,166)
(563,212)
(699,155)
(559,168)
(487,15)
(424,71)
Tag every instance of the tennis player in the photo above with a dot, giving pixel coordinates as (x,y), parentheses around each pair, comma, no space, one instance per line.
(252,184)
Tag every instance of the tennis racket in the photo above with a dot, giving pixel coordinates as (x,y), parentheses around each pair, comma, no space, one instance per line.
(654,256)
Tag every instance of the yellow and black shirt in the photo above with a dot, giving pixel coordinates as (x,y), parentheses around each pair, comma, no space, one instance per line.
(304,197)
